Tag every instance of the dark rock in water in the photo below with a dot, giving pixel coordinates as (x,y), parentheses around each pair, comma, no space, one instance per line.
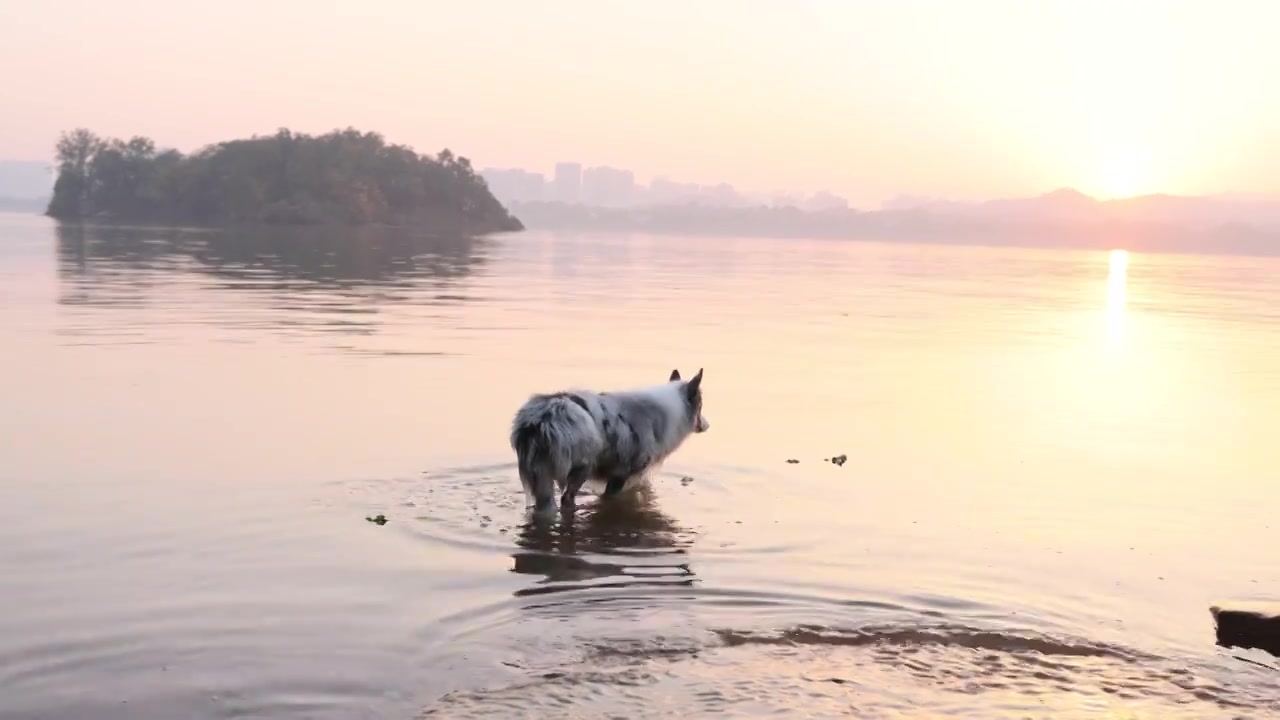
(839,459)
(379,519)
(686,480)
(792,461)
(1249,628)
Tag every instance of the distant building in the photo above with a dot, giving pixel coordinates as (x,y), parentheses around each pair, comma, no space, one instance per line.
(824,200)
(567,186)
(722,195)
(666,192)
(608,187)
(784,200)
(515,185)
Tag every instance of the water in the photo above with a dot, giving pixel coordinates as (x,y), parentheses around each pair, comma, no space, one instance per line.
(1056,462)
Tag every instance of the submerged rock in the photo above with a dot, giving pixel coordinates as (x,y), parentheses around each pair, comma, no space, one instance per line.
(1254,628)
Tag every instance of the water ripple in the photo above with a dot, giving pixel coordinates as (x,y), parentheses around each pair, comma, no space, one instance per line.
(825,671)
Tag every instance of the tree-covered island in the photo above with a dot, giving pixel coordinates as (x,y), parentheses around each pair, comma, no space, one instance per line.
(340,178)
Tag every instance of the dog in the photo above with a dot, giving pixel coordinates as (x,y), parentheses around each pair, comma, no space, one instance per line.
(563,439)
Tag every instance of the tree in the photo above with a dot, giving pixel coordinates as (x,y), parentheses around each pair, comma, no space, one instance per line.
(71,191)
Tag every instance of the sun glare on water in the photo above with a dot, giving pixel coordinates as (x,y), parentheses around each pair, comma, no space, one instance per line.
(1117,290)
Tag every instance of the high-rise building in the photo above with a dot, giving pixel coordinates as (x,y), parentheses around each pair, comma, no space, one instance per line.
(567,186)
(666,192)
(722,195)
(515,185)
(823,200)
(608,187)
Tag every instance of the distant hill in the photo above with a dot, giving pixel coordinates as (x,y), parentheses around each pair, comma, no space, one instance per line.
(1062,218)
(340,178)
(1260,211)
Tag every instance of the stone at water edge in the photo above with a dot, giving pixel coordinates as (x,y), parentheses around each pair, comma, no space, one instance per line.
(1249,627)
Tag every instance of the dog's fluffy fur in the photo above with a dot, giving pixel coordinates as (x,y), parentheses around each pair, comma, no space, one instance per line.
(563,439)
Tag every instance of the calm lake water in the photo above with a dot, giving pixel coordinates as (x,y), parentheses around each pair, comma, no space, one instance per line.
(1056,462)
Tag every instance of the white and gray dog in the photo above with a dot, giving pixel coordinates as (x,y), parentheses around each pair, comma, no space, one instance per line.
(564,439)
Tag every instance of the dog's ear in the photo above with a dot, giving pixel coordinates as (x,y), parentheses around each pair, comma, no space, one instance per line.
(675,375)
(694,386)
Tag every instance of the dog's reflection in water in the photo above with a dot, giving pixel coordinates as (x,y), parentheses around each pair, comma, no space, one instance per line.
(626,536)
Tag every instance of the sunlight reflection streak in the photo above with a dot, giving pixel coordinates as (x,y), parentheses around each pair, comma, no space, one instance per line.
(1117,279)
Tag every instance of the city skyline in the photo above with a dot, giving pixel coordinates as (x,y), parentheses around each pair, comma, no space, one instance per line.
(574,182)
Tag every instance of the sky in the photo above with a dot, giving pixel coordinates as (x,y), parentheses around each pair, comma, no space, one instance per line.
(870,99)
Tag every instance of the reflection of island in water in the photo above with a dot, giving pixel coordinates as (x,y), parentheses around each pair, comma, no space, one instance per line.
(345,271)
(627,538)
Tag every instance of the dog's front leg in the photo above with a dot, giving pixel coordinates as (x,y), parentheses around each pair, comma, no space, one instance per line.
(615,485)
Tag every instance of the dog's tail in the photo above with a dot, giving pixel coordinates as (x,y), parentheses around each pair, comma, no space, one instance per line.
(534,461)
(551,434)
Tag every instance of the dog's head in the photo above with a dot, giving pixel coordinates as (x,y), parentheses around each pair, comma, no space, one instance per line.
(692,391)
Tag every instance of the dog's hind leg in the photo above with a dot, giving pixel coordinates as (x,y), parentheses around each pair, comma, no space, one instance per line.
(573,483)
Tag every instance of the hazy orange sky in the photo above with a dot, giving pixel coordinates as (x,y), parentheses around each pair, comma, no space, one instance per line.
(959,99)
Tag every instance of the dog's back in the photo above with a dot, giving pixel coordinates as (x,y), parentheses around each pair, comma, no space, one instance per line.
(551,434)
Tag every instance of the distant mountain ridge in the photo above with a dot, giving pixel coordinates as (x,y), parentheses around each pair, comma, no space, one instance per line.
(1061,218)
(1067,204)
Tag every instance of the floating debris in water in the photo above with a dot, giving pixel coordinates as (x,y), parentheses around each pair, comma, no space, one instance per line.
(792,461)
(378,519)
(838,460)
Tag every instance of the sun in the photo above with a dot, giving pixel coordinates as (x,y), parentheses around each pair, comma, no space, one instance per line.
(1120,175)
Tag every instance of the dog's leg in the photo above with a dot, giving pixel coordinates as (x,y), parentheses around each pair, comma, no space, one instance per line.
(614,486)
(544,505)
(573,483)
